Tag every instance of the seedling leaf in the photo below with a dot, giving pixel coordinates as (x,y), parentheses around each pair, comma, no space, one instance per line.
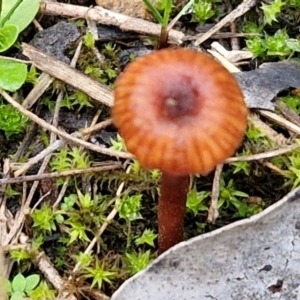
(17,296)
(32,281)
(12,75)
(8,36)
(23,14)
(154,11)
(19,283)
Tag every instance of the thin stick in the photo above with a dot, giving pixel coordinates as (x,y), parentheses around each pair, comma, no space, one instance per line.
(96,127)
(52,175)
(281,121)
(32,161)
(43,82)
(264,155)
(213,212)
(274,168)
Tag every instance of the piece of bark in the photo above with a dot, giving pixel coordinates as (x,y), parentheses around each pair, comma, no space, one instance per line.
(244,260)
(56,39)
(261,86)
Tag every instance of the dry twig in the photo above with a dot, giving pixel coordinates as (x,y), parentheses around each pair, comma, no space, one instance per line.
(107,17)
(108,167)
(237,12)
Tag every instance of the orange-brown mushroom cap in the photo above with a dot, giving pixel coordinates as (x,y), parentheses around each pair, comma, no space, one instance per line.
(179,111)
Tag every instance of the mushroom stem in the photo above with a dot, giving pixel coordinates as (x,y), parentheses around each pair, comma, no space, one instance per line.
(171,210)
(163,39)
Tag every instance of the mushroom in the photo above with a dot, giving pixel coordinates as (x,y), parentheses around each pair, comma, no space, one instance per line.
(182,112)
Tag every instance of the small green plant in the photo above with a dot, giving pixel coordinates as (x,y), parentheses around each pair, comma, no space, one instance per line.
(17,14)
(81,214)
(24,257)
(242,166)
(136,262)
(196,201)
(294,3)
(203,10)
(117,144)
(257,141)
(21,286)
(109,67)
(32,75)
(293,102)
(42,292)
(80,99)
(229,196)
(256,45)
(276,45)
(12,75)
(279,44)
(20,255)
(147,237)
(290,167)
(84,259)
(129,207)
(10,192)
(61,161)
(272,10)
(106,74)
(254,134)
(165,6)
(99,274)
(44,219)
(245,211)
(89,40)
(67,159)
(11,121)
(110,50)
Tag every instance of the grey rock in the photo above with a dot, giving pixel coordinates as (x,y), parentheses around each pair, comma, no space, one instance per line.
(55,40)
